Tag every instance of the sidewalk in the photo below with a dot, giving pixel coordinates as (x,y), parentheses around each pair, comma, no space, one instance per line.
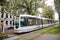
(35,36)
(0,29)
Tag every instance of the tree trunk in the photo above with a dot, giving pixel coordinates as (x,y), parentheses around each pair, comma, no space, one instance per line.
(59,18)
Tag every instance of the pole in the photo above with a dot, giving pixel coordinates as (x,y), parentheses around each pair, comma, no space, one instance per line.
(3,26)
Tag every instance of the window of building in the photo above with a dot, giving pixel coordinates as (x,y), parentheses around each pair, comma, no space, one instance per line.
(1,21)
(10,22)
(2,15)
(10,16)
(7,22)
(6,15)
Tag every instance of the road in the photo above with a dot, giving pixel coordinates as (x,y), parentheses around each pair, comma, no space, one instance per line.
(32,36)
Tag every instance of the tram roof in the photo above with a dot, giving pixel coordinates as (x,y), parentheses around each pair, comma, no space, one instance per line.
(34,17)
(27,16)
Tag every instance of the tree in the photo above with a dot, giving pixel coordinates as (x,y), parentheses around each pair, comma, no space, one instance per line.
(48,12)
(57,7)
(29,7)
(11,4)
(2,3)
(24,6)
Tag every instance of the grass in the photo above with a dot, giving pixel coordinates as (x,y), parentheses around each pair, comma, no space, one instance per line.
(50,30)
(22,39)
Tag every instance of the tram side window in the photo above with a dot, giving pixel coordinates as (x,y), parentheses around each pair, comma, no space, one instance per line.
(39,21)
(24,21)
(53,21)
(45,21)
(48,21)
(34,21)
(30,21)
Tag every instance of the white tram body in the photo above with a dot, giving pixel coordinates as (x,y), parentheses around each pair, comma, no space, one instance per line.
(26,23)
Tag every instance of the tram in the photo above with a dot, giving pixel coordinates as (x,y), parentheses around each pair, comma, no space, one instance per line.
(26,23)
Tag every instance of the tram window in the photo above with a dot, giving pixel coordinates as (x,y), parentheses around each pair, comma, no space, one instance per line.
(45,21)
(21,21)
(24,21)
(39,21)
(53,21)
(30,21)
(33,21)
(48,21)
(16,22)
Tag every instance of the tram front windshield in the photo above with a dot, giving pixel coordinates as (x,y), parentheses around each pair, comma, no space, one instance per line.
(16,22)
(23,22)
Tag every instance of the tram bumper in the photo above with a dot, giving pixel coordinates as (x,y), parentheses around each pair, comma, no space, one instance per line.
(17,31)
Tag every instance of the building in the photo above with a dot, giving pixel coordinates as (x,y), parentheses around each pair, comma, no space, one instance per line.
(6,20)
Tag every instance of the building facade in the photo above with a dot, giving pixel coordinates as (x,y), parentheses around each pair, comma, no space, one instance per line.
(6,20)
